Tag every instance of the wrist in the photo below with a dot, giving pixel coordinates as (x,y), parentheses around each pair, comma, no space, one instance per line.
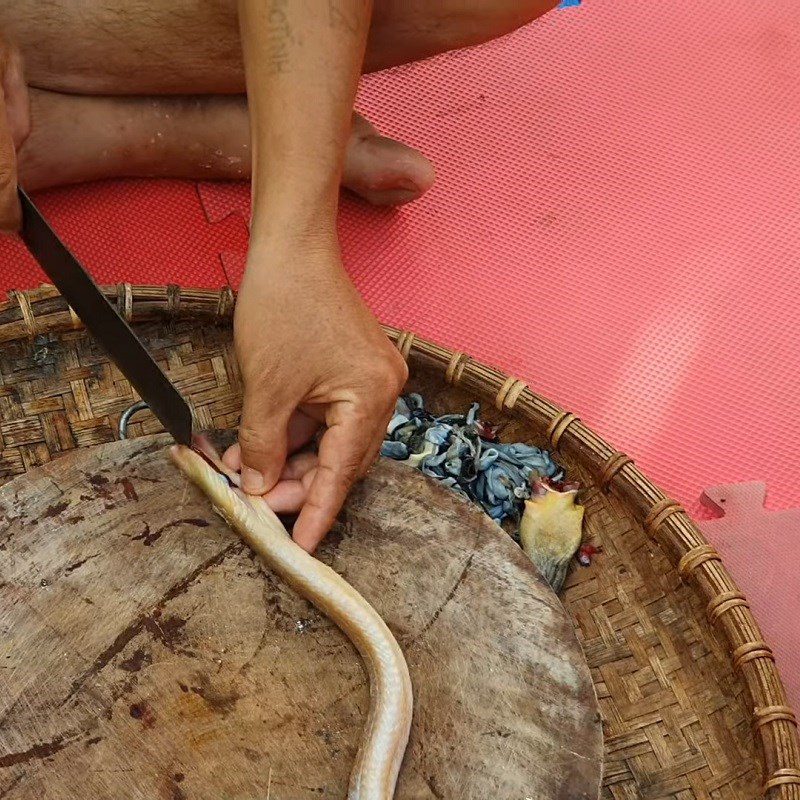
(292,251)
(294,218)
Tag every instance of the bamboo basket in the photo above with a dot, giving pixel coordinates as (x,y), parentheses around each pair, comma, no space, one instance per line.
(693,705)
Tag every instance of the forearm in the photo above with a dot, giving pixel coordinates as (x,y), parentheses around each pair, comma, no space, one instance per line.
(302,63)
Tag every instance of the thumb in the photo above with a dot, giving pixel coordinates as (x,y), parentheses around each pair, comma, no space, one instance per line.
(263,442)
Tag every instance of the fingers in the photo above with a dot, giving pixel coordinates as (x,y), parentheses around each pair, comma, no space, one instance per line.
(303,426)
(373,452)
(314,485)
(232,457)
(301,431)
(286,497)
(345,452)
(290,493)
(298,466)
(263,443)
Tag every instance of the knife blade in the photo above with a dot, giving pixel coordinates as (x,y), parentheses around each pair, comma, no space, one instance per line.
(104,323)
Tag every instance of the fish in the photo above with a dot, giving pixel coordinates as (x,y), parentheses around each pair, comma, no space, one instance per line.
(551,530)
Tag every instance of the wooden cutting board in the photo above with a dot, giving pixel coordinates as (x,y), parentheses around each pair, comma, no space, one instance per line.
(144,652)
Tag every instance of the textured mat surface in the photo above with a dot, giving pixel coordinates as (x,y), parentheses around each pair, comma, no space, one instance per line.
(616,220)
(761,550)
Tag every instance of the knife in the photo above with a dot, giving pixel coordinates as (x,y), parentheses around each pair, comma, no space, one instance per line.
(105,324)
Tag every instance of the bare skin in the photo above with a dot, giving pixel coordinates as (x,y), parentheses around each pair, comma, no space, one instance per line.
(154,88)
(193,47)
(78,138)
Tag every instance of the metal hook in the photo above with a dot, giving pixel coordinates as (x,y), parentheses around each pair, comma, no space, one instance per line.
(126,417)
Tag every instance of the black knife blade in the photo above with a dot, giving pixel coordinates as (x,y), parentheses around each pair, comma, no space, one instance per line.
(104,323)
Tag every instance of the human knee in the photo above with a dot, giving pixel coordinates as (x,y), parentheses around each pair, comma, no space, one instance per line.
(521,12)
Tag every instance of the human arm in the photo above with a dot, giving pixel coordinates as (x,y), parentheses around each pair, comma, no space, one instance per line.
(14,128)
(305,339)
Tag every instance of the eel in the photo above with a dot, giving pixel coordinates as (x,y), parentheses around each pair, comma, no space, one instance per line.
(388,724)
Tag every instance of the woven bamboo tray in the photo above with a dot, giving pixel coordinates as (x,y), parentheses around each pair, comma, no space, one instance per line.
(692,702)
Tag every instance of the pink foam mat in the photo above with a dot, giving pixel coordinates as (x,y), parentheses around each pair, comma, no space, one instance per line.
(760,549)
(616,220)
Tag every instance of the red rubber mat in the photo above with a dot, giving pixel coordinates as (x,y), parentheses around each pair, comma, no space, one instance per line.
(760,549)
(616,219)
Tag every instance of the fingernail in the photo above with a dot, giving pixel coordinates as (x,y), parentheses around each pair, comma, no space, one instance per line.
(253,481)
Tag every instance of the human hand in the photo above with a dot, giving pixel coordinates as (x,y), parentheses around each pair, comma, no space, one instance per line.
(14,129)
(310,353)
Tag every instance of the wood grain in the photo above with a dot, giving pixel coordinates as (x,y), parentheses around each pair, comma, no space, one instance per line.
(678,720)
(145,654)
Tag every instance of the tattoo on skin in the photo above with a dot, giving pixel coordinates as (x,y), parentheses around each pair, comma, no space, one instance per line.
(279,36)
(342,19)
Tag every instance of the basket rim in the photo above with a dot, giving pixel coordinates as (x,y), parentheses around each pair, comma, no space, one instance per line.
(41,311)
